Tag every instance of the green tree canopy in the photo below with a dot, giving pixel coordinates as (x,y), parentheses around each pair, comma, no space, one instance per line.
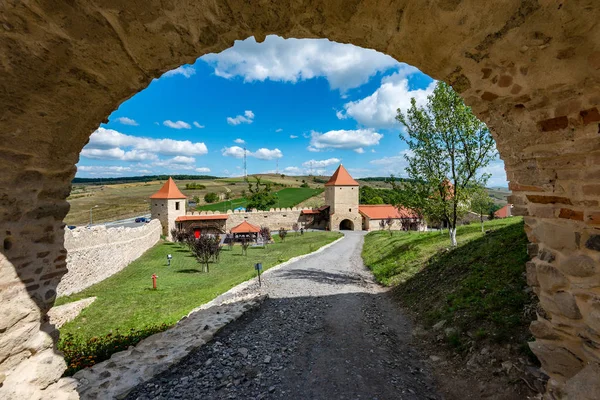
(448,146)
(261,196)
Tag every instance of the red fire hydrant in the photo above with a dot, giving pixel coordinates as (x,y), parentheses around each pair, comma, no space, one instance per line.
(154,276)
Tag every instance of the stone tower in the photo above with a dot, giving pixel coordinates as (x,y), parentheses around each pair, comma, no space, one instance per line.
(166,205)
(341,195)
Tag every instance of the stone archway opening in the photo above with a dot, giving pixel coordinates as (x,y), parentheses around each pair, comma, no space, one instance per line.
(346,225)
(531,71)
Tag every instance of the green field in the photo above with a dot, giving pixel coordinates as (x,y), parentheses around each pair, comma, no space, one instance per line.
(126,300)
(478,287)
(288,197)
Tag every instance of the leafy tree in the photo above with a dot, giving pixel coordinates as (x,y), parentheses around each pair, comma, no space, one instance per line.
(196,199)
(447,146)
(481,203)
(265,234)
(211,197)
(203,249)
(261,196)
(304,185)
(296,228)
(282,233)
(245,243)
(227,195)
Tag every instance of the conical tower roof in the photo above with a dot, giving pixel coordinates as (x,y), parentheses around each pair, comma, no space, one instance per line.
(168,191)
(341,177)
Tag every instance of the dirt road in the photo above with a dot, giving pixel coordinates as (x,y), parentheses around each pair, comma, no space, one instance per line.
(326,332)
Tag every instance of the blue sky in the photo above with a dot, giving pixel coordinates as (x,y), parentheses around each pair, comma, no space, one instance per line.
(299,106)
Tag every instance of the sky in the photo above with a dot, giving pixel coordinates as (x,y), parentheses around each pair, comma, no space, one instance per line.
(298,106)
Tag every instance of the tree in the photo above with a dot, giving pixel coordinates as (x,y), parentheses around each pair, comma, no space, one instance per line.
(203,249)
(282,233)
(265,234)
(211,197)
(448,145)
(245,243)
(261,196)
(296,228)
(389,222)
(481,203)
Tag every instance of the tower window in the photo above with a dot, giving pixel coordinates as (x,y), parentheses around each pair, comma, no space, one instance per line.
(177,205)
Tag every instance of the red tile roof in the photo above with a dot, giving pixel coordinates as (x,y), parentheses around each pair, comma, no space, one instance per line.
(202,217)
(504,212)
(168,191)
(245,227)
(341,177)
(383,211)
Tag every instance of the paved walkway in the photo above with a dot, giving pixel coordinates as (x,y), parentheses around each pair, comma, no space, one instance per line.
(326,332)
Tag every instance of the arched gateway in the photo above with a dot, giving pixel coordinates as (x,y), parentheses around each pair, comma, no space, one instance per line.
(529,69)
(346,225)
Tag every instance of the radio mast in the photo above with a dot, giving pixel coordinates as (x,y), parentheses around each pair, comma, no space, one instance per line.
(245,171)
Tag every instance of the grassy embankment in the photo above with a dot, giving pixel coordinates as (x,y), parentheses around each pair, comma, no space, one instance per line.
(479,287)
(288,197)
(126,300)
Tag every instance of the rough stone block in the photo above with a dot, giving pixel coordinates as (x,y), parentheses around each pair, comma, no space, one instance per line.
(549,278)
(554,124)
(580,266)
(590,115)
(567,305)
(567,213)
(585,385)
(542,329)
(531,272)
(556,359)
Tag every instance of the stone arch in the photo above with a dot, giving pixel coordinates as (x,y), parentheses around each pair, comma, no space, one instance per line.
(531,70)
(346,225)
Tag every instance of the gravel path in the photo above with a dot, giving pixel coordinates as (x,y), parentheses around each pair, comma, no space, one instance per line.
(326,332)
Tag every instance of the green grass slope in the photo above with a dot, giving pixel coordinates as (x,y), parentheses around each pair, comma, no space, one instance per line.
(479,288)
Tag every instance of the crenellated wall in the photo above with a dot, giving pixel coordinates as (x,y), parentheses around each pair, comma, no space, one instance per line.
(94,254)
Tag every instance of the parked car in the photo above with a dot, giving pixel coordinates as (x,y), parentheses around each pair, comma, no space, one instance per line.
(140,219)
(71,227)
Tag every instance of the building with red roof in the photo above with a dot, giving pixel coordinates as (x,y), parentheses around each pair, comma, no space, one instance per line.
(504,212)
(167,205)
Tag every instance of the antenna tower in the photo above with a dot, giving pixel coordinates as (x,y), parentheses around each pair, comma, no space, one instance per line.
(245,171)
(277,166)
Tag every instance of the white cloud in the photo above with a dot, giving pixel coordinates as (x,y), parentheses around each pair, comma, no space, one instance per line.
(202,169)
(102,168)
(293,171)
(360,150)
(197,125)
(233,151)
(293,137)
(497,172)
(266,154)
(185,70)
(345,66)
(262,154)
(379,110)
(108,143)
(239,141)
(344,139)
(321,163)
(247,118)
(183,160)
(393,164)
(177,124)
(127,121)
(278,130)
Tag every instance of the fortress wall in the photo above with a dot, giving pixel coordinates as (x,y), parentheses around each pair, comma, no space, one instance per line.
(274,219)
(97,253)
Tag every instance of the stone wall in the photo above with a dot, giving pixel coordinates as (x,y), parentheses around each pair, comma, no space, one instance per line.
(530,69)
(275,218)
(96,253)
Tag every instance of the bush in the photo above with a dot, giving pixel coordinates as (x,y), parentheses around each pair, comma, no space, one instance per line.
(80,354)
(304,185)
(211,197)
(194,186)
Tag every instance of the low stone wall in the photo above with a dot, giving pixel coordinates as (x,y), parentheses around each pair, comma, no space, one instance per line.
(96,253)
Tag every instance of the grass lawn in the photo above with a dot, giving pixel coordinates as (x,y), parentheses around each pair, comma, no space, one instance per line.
(288,197)
(479,288)
(126,300)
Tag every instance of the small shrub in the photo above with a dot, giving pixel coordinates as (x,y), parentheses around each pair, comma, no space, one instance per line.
(304,185)
(282,233)
(80,354)
(211,197)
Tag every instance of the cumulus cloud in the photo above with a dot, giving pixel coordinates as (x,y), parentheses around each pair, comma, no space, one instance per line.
(103,168)
(109,144)
(267,154)
(185,70)
(202,170)
(183,160)
(247,118)
(239,141)
(293,137)
(278,130)
(393,164)
(197,125)
(379,110)
(177,124)
(293,171)
(127,121)
(360,150)
(321,163)
(345,66)
(262,153)
(344,139)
